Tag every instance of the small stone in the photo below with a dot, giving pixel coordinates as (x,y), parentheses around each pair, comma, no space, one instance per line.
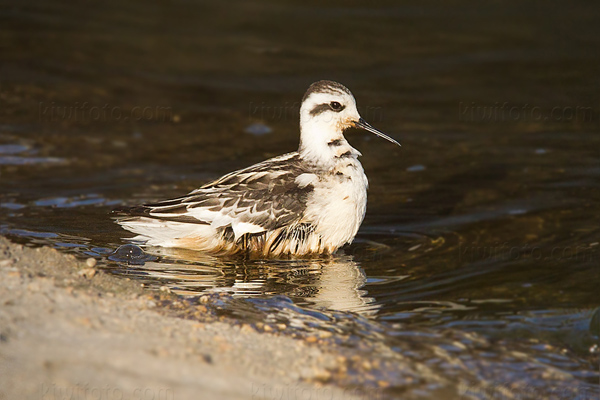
(207,358)
(14,274)
(91,262)
(383,384)
(165,289)
(204,299)
(85,321)
(322,375)
(258,129)
(87,273)
(325,334)
(267,328)
(367,365)
(281,327)
(6,263)
(162,352)
(201,309)
(311,339)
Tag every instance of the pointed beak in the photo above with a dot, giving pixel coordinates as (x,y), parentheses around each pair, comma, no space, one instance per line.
(361,123)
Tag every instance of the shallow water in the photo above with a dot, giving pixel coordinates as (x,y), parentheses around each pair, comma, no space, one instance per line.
(486,221)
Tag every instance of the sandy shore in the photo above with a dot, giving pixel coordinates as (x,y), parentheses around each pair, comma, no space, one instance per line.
(68,331)
(71,331)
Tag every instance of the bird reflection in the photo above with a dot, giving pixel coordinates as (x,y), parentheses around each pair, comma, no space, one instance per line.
(334,283)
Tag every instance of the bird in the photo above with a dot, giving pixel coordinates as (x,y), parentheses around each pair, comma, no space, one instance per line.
(309,202)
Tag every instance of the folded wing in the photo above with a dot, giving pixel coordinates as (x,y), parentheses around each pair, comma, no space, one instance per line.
(257,199)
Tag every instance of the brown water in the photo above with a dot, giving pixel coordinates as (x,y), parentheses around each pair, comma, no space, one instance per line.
(486,222)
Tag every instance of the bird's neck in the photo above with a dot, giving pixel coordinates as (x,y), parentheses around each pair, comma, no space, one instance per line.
(324,145)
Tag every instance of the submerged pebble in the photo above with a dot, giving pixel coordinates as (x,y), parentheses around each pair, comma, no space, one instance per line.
(416,168)
(131,254)
(12,148)
(258,129)
(87,273)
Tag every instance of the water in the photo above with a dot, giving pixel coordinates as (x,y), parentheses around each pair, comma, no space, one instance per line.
(479,254)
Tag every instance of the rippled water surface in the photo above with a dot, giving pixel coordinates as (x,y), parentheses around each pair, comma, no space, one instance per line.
(480,253)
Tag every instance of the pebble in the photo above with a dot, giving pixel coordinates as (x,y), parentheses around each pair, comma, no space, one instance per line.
(322,375)
(87,273)
(367,365)
(91,262)
(201,309)
(311,339)
(6,263)
(14,274)
(204,299)
(162,352)
(85,321)
(258,129)
(207,358)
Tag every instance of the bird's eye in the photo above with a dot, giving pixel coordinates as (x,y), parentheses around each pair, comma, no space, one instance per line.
(335,106)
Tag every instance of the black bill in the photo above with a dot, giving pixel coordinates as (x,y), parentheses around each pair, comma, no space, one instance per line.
(361,123)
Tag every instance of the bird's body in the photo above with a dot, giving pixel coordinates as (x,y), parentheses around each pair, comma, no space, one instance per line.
(303,203)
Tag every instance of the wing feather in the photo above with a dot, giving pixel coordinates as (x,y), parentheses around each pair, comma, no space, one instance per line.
(262,197)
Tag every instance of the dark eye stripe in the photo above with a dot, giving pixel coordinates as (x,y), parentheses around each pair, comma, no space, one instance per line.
(318,109)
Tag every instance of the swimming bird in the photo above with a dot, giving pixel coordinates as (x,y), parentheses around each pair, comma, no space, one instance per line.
(308,202)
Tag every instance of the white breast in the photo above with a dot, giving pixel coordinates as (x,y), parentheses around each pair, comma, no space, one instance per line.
(338,204)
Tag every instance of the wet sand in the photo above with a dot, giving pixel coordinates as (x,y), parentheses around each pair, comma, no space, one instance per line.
(71,331)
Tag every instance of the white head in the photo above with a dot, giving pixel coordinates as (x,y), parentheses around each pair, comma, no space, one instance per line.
(328,109)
